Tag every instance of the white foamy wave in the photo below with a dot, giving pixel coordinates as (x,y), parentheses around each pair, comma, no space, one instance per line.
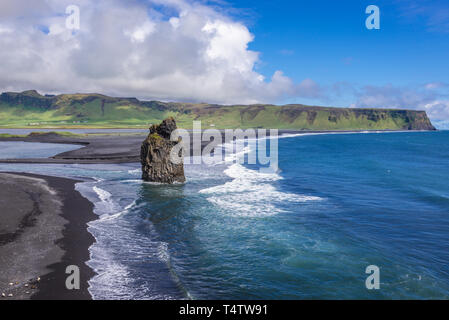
(118,214)
(234,150)
(237,171)
(110,279)
(106,205)
(115,234)
(102,194)
(135,171)
(231,157)
(114,279)
(230,152)
(138,181)
(251,193)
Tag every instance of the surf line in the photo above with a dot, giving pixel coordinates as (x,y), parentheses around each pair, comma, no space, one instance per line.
(242,140)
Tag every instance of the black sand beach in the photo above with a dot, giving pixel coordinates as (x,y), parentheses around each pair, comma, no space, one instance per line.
(43,230)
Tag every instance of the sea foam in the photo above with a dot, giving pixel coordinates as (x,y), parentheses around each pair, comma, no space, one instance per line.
(250,192)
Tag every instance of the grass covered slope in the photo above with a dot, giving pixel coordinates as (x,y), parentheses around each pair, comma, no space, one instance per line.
(30,109)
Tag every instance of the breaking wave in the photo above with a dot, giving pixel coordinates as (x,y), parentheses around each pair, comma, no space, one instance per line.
(250,193)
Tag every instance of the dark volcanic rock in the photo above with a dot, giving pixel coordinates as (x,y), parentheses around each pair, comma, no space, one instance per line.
(157,165)
(165,128)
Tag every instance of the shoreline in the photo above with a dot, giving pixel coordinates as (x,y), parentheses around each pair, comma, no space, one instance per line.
(117,148)
(47,222)
(52,284)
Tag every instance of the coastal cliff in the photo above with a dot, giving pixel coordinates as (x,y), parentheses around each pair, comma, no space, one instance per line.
(31,109)
(157,165)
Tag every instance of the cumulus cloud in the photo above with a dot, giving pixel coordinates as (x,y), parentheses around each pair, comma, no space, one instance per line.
(169,50)
(178,50)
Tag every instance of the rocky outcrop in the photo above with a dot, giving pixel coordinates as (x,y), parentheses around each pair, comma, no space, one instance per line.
(417,120)
(30,98)
(165,128)
(157,165)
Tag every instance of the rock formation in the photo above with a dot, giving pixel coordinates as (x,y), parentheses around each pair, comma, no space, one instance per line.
(157,166)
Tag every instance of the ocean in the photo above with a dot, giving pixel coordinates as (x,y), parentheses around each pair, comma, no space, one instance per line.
(338,204)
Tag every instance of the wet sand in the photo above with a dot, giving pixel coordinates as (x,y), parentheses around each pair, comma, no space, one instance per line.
(43,230)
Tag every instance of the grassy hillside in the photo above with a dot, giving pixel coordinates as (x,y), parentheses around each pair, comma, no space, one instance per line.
(30,109)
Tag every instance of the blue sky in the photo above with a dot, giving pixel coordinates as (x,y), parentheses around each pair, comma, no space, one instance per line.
(327,41)
(233,51)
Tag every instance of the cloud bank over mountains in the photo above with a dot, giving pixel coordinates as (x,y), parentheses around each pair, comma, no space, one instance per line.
(177,50)
(431,97)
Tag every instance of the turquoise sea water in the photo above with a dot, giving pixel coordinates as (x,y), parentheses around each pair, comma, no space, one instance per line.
(339,203)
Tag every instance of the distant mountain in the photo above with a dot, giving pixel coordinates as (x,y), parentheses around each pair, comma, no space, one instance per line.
(29,108)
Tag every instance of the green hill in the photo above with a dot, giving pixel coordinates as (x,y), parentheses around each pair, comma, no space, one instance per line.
(30,109)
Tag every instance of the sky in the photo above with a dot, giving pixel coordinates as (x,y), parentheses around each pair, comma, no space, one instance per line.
(232,52)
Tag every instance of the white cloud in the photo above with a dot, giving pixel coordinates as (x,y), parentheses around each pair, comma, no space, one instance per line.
(5,30)
(438,109)
(424,97)
(435,85)
(127,48)
(140,33)
(228,44)
(310,89)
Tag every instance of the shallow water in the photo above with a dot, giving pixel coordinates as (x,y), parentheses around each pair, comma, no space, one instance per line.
(338,204)
(80,131)
(24,150)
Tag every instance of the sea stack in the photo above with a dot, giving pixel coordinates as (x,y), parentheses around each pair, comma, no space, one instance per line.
(157,166)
